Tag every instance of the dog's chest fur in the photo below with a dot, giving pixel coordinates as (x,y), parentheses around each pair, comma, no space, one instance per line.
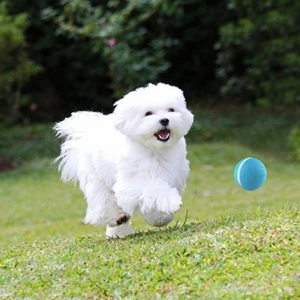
(170,165)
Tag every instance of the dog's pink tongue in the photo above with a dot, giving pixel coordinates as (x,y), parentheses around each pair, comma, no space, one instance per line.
(164,134)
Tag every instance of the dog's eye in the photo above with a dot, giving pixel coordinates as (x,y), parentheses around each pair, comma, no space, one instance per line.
(148,113)
(171,110)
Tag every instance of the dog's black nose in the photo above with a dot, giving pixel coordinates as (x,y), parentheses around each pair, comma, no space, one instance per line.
(164,122)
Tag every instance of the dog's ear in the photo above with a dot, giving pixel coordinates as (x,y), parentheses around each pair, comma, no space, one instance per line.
(119,123)
(119,117)
(188,118)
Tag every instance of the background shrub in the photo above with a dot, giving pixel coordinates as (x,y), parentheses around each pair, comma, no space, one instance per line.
(259,58)
(16,68)
(131,37)
(94,51)
(74,76)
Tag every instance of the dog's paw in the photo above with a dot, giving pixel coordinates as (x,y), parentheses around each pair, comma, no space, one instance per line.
(119,231)
(168,204)
(173,206)
(122,218)
(157,219)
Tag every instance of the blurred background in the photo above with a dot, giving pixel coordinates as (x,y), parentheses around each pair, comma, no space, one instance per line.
(238,63)
(63,55)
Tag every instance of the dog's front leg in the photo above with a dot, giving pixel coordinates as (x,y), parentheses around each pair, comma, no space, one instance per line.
(147,195)
(159,195)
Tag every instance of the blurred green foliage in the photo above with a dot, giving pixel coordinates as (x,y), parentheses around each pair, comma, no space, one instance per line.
(25,143)
(259,58)
(146,41)
(73,77)
(16,68)
(93,51)
(294,143)
(134,54)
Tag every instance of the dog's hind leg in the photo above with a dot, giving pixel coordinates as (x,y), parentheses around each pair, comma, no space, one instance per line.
(120,231)
(102,210)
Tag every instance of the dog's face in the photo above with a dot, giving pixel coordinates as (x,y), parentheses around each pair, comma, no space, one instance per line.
(155,116)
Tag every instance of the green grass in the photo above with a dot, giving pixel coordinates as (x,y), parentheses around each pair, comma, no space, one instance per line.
(234,245)
(252,256)
(36,205)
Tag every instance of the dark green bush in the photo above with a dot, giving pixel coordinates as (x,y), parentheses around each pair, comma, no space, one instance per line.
(74,77)
(120,32)
(92,50)
(259,57)
(146,41)
(16,68)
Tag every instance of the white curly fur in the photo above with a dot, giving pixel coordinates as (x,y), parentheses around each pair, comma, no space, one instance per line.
(120,163)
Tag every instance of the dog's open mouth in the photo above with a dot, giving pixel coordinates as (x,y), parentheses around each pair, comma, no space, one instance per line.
(163,135)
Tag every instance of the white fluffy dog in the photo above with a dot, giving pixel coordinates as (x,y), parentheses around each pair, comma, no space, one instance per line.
(131,160)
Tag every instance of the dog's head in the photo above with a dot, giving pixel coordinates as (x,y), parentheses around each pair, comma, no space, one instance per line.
(155,115)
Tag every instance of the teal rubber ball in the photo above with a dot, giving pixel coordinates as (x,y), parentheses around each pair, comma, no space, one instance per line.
(250,174)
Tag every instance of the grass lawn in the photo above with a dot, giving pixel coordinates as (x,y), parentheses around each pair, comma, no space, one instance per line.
(251,256)
(234,244)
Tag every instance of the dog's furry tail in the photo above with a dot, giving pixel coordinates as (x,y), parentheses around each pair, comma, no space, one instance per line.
(73,130)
